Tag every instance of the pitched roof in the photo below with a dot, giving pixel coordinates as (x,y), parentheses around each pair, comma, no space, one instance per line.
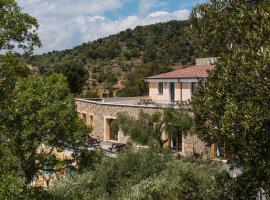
(189,72)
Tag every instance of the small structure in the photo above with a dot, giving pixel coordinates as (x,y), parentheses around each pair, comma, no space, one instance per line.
(172,89)
(177,86)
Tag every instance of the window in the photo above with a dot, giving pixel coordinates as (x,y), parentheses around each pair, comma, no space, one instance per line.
(160,88)
(84,116)
(220,151)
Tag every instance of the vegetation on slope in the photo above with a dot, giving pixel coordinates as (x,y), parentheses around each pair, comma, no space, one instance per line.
(130,55)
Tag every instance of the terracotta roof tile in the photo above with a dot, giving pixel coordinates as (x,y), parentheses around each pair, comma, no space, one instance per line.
(189,72)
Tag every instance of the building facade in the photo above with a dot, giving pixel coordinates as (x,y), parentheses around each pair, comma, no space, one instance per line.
(165,90)
(177,85)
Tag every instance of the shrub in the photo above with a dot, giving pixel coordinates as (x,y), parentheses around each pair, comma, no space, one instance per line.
(181,180)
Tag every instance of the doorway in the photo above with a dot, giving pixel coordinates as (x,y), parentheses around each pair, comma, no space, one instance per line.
(176,142)
(109,134)
(172,91)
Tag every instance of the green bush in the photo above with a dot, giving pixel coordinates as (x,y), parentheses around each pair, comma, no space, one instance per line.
(74,187)
(14,188)
(181,180)
(146,174)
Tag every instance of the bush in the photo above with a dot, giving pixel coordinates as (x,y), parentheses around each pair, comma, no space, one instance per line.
(146,174)
(181,180)
(12,187)
(73,187)
(112,175)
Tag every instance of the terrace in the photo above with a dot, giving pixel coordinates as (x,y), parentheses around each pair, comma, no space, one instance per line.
(140,102)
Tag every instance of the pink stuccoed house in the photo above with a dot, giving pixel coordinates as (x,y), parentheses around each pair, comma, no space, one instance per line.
(177,86)
(169,89)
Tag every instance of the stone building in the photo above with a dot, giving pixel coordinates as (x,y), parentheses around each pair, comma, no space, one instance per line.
(169,89)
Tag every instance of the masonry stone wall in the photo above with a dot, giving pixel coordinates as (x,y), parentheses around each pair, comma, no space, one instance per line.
(193,146)
(99,113)
(206,61)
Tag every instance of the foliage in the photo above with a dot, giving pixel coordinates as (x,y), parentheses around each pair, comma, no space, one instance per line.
(40,111)
(142,130)
(11,68)
(182,180)
(147,128)
(144,51)
(18,30)
(113,175)
(76,75)
(146,174)
(234,107)
(129,168)
(217,24)
(177,121)
(73,187)
(89,94)
(12,187)
(108,79)
(88,159)
(8,162)
(135,80)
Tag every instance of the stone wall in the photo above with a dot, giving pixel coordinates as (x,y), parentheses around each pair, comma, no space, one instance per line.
(101,111)
(206,61)
(195,147)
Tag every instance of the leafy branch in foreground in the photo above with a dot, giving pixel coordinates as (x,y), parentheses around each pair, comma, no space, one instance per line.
(233,108)
(41,112)
(18,29)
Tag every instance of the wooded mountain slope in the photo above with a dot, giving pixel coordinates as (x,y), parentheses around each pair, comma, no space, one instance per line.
(121,62)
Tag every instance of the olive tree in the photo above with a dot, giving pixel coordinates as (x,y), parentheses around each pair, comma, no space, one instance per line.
(42,112)
(147,128)
(233,108)
(17,29)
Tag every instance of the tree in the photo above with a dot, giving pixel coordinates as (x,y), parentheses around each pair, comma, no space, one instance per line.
(160,46)
(217,24)
(110,79)
(146,174)
(148,128)
(42,112)
(182,180)
(233,108)
(13,187)
(76,75)
(17,29)
(113,175)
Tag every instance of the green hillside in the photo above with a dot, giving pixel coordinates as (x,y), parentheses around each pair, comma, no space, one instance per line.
(120,62)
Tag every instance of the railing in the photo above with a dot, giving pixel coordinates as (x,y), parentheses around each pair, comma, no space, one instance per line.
(136,102)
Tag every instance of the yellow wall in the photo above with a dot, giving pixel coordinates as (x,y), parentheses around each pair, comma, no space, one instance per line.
(165,97)
(186,92)
(153,92)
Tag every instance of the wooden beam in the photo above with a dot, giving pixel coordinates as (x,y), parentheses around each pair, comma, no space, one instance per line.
(213,151)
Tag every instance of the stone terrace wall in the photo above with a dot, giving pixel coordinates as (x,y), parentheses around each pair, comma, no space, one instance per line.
(99,111)
(195,147)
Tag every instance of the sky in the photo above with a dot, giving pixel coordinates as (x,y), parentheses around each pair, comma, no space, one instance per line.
(68,23)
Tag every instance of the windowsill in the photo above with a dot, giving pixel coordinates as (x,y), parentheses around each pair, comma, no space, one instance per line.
(160,94)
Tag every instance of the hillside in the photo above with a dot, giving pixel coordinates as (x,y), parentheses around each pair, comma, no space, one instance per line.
(120,62)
